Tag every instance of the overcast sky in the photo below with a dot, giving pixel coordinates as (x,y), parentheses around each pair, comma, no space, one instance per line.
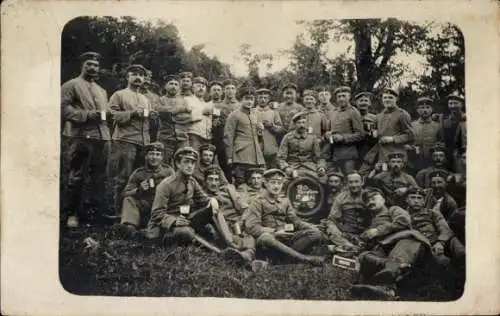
(223,37)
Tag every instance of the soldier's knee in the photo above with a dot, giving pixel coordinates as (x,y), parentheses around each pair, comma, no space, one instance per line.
(184,232)
(266,239)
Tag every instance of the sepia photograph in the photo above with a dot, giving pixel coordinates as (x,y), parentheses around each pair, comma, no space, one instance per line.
(327,162)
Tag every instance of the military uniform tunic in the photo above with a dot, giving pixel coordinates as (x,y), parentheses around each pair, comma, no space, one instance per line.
(300,151)
(388,183)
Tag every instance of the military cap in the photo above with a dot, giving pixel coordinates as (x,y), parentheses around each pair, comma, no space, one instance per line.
(156,146)
(424,100)
(255,170)
(439,146)
(230,82)
(271,172)
(395,155)
(208,147)
(309,92)
(456,96)
(439,173)
(212,170)
(90,56)
(185,74)
(336,173)
(187,152)
(299,116)
(201,80)
(342,89)
(391,91)
(246,90)
(363,94)
(215,83)
(289,85)
(263,91)
(370,192)
(323,89)
(137,68)
(172,78)
(416,190)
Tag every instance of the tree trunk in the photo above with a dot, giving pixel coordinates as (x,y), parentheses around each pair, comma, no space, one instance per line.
(363,51)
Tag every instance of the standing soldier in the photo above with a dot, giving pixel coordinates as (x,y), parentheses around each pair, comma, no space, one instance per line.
(456,104)
(216,92)
(316,120)
(140,190)
(200,129)
(273,127)
(394,183)
(324,97)
(363,102)
(84,113)
(131,113)
(393,131)
(275,226)
(154,101)
(345,130)
(300,151)
(181,209)
(289,107)
(207,160)
(172,110)
(427,133)
(241,138)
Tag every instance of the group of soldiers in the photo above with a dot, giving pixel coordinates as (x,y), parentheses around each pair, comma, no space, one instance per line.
(209,162)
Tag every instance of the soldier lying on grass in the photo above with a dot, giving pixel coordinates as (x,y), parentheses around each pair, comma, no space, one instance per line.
(275,226)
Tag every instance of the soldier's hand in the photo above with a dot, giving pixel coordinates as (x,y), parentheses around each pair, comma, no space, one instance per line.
(337,137)
(267,124)
(369,233)
(181,221)
(400,191)
(438,248)
(386,140)
(93,115)
(321,172)
(378,167)
(144,185)
(435,117)
(268,230)
(328,135)
(139,113)
(207,111)
(282,232)
(409,147)
(153,114)
(229,161)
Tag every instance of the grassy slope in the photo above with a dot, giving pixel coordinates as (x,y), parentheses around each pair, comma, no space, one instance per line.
(130,268)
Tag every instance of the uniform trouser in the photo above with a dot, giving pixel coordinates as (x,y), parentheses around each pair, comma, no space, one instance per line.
(198,221)
(83,187)
(194,141)
(405,251)
(240,171)
(271,161)
(123,160)
(300,241)
(135,211)
(457,224)
(340,238)
(244,241)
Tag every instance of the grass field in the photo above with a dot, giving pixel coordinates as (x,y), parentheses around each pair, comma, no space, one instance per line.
(133,268)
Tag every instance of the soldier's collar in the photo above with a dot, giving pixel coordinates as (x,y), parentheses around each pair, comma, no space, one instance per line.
(390,110)
(270,198)
(300,136)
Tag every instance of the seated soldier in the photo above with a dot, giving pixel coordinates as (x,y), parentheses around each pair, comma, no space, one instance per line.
(394,182)
(392,248)
(432,224)
(274,224)
(334,185)
(300,152)
(181,210)
(253,187)
(439,162)
(437,198)
(348,217)
(207,160)
(140,189)
(230,218)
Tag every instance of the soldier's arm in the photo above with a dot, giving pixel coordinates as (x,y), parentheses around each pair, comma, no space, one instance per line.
(358,132)
(199,196)
(411,182)
(229,133)
(318,156)
(277,127)
(407,135)
(283,153)
(295,220)
(335,213)
(119,115)
(132,187)
(159,215)
(253,221)
(444,230)
(68,110)
(400,220)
